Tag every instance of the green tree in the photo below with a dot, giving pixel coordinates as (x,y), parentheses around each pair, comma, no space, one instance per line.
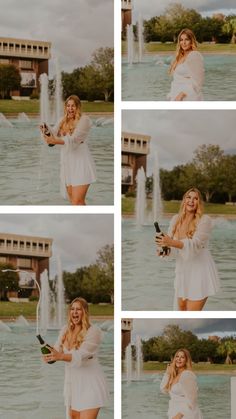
(227,348)
(230,28)
(8,281)
(10,79)
(105,262)
(103,63)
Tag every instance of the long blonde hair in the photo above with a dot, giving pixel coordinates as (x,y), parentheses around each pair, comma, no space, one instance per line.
(85,324)
(66,124)
(179,52)
(173,371)
(182,213)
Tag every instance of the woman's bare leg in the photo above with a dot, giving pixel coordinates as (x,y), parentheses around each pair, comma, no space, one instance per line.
(69,192)
(182,304)
(89,414)
(74,414)
(79,194)
(196,305)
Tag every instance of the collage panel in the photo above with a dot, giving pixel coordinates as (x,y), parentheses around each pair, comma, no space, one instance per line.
(178,51)
(178,368)
(57,103)
(56,307)
(178,211)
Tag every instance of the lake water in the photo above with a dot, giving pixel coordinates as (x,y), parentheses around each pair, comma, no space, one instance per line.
(142,399)
(147,280)
(150,80)
(29,169)
(31,389)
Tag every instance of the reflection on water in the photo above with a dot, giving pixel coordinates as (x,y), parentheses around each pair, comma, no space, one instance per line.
(29,170)
(150,80)
(142,399)
(30,389)
(147,280)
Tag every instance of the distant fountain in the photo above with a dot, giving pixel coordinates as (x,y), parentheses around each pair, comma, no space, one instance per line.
(139,357)
(157,207)
(58,92)
(44,308)
(141,197)
(128,363)
(60,293)
(4,327)
(23,117)
(4,121)
(140,39)
(130,43)
(21,321)
(44,99)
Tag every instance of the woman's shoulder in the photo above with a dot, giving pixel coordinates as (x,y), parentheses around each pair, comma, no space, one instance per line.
(174,219)
(206,219)
(94,329)
(188,374)
(195,54)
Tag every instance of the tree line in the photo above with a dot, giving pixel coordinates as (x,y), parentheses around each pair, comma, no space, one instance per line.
(211,171)
(166,27)
(215,350)
(95,81)
(94,282)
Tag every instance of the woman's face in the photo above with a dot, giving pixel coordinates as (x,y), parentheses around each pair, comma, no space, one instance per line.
(180,360)
(191,202)
(185,42)
(76,313)
(71,109)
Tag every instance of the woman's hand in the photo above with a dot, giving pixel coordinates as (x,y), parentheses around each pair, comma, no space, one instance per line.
(178,416)
(50,139)
(180,96)
(163,240)
(53,356)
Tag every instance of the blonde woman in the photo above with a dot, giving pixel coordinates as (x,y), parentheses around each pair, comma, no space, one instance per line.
(196,276)
(85,388)
(187,69)
(179,382)
(77,165)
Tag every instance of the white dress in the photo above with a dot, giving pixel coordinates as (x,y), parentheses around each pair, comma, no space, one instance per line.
(196,276)
(85,385)
(183,396)
(188,78)
(77,165)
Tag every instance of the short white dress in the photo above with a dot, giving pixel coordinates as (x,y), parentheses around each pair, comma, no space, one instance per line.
(196,276)
(77,164)
(85,386)
(183,396)
(188,78)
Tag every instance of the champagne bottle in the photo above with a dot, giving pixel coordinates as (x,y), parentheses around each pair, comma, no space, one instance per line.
(47,133)
(164,249)
(44,347)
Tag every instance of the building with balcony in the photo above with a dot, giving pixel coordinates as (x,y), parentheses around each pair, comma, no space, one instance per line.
(30,57)
(126,328)
(135,148)
(27,253)
(126,13)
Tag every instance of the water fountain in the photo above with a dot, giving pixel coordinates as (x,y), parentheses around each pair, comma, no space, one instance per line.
(157,206)
(140,39)
(22,117)
(4,327)
(22,321)
(44,99)
(136,374)
(44,306)
(58,92)
(139,357)
(128,363)
(130,43)
(60,296)
(141,196)
(4,121)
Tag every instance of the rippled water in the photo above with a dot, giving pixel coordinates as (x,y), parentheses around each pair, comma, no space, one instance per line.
(142,399)
(29,170)
(150,80)
(30,389)
(147,280)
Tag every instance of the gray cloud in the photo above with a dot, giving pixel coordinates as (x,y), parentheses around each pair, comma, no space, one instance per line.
(76,28)
(76,238)
(176,134)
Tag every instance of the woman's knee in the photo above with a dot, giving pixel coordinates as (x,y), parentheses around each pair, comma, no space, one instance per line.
(182,304)
(77,201)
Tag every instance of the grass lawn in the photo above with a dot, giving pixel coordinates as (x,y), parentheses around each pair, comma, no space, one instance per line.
(154,47)
(201,367)
(128,207)
(9,309)
(32,106)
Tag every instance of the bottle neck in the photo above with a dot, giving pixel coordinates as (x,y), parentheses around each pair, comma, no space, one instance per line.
(40,339)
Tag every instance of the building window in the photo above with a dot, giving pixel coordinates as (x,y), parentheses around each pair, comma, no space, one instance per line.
(23,263)
(3,259)
(8,243)
(46,247)
(15,244)
(125,159)
(41,247)
(2,242)
(4,61)
(28,245)
(22,245)
(139,143)
(26,64)
(34,246)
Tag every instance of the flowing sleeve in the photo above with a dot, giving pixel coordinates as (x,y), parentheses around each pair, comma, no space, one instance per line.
(164,381)
(189,387)
(199,240)
(88,348)
(80,133)
(195,65)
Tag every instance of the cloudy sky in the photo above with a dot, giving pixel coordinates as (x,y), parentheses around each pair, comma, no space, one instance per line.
(76,28)
(177,133)
(76,237)
(147,328)
(205,7)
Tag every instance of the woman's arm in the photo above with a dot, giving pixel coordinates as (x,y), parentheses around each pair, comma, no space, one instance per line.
(195,65)
(80,133)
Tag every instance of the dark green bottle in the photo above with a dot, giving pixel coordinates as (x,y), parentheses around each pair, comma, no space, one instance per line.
(164,250)
(44,348)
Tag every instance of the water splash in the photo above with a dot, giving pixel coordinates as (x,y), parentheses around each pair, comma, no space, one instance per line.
(157,207)
(140,196)
(130,43)
(4,121)
(140,39)
(22,117)
(44,99)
